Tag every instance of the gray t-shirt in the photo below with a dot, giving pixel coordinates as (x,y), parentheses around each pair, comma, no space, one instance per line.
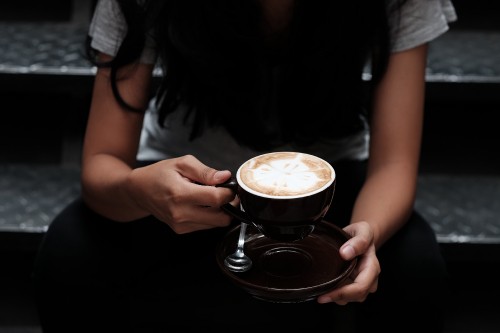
(421,21)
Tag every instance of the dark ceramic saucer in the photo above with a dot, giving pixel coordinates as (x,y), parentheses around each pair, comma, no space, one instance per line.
(289,271)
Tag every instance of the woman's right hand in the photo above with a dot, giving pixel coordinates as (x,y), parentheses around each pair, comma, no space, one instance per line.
(177,191)
(181,193)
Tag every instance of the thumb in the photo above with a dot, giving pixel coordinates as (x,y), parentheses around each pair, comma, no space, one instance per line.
(210,176)
(215,177)
(193,169)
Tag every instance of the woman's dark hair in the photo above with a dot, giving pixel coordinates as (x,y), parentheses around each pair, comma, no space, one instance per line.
(266,91)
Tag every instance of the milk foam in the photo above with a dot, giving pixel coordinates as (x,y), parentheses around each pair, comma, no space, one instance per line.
(286,174)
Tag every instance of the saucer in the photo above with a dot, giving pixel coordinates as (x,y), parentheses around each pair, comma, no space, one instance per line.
(289,271)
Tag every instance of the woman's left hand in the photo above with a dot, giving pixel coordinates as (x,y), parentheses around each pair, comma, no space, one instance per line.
(364,278)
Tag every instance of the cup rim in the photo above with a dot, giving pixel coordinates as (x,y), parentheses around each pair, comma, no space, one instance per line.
(308,194)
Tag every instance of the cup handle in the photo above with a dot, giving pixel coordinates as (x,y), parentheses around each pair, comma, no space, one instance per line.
(235,212)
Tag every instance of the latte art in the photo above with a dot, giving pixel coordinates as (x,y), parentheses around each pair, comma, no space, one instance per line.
(285,174)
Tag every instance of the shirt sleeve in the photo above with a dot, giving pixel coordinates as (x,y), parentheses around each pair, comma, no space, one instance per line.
(108,29)
(420,21)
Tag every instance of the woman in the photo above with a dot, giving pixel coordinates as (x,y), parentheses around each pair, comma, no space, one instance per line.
(136,252)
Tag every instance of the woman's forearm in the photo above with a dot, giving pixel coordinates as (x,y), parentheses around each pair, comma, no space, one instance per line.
(105,189)
(386,200)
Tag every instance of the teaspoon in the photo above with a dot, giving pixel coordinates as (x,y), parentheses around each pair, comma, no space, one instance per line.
(238,261)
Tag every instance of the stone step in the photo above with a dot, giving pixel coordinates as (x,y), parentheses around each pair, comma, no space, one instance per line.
(460,208)
(55,49)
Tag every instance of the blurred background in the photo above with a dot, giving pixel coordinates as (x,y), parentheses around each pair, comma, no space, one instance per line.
(45,86)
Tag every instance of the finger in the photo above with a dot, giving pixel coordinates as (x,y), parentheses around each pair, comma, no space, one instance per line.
(207,196)
(364,283)
(212,216)
(367,279)
(200,218)
(193,169)
(353,292)
(189,227)
(358,243)
(187,193)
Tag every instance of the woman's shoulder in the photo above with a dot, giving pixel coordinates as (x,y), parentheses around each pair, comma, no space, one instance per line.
(108,28)
(420,21)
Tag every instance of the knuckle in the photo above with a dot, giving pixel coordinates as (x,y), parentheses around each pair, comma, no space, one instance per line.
(207,173)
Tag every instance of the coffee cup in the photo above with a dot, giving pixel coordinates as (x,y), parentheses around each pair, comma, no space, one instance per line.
(283,194)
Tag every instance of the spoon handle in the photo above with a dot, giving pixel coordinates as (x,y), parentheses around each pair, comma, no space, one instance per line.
(241,240)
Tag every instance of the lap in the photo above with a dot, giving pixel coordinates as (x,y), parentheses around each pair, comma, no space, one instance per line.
(142,274)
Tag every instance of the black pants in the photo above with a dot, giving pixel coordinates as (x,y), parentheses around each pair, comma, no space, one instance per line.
(93,274)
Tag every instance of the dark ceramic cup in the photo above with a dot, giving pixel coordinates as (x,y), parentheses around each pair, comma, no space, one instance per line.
(283,194)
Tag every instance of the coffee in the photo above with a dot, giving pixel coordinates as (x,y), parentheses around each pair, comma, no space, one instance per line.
(285,174)
(283,194)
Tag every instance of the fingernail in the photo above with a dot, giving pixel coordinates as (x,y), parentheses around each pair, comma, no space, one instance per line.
(348,252)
